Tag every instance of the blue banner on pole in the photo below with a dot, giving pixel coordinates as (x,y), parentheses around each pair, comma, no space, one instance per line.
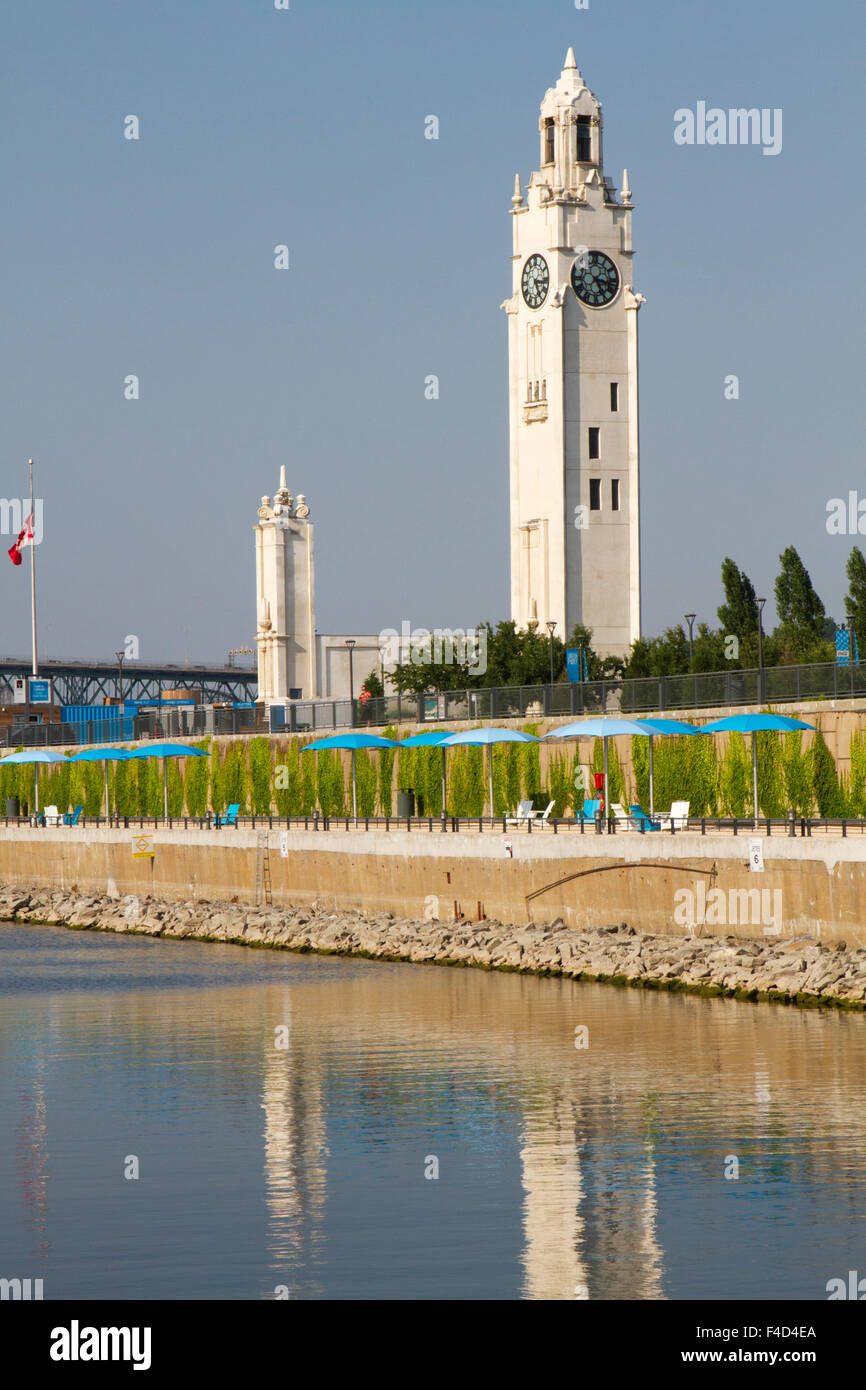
(844,654)
(575,664)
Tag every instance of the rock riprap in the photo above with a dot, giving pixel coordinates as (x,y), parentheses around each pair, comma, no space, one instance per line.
(798,971)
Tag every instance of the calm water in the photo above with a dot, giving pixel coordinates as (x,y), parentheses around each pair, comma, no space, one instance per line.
(559,1168)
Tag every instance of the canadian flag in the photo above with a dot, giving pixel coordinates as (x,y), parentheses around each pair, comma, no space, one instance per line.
(25,537)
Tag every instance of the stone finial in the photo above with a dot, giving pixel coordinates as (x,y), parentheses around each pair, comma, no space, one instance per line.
(283,498)
(302,510)
(517,196)
(264,615)
(570,61)
(266,501)
(626,188)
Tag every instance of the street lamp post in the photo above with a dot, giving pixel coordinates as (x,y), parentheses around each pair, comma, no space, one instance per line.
(851,640)
(690,619)
(120,655)
(761,602)
(350,644)
(551,628)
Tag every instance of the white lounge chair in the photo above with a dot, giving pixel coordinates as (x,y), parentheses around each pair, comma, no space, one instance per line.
(542,817)
(678,816)
(523,814)
(621,816)
(52,815)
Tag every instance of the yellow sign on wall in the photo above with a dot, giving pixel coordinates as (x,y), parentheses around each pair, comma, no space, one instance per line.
(142,847)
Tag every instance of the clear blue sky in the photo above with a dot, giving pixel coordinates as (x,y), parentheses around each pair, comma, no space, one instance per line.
(306,127)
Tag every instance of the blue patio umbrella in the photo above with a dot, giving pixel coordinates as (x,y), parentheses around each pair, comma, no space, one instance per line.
(352,741)
(603,728)
(431,738)
(753,724)
(164,751)
(487,737)
(35,756)
(104,756)
(663,726)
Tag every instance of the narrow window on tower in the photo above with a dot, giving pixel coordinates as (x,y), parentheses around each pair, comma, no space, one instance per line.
(614,494)
(595,494)
(584,140)
(548,141)
(614,396)
(594,446)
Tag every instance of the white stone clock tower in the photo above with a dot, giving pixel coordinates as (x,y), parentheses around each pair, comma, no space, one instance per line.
(572,337)
(285,599)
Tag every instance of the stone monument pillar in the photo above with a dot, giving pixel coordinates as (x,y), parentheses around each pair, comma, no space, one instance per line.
(285,597)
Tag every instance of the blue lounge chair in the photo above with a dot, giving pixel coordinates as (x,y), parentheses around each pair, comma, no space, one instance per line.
(231,815)
(589,809)
(71,817)
(641,819)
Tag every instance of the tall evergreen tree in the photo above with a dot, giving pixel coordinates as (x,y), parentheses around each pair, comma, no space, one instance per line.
(739,613)
(800,610)
(855,601)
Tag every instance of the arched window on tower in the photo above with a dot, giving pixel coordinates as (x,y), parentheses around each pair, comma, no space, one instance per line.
(548,142)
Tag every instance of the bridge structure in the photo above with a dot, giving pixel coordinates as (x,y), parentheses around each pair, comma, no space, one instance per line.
(89,682)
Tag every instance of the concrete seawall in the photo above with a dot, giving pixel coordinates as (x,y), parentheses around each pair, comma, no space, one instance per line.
(678,885)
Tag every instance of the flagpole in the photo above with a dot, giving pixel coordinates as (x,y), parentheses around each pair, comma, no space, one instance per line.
(33,578)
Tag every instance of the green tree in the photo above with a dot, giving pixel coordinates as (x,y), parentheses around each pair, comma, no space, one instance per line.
(476,783)
(287,779)
(94,783)
(672,772)
(195,783)
(855,601)
(175,785)
(640,769)
(373,686)
(735,777)
(458,781)
(261,776)
(531,764)
(703,775)
(857,779)
(797,775)
(800,610)
(234,778)
(739,612)
(308,781)
(331,783)
(771,776)
(217,790)
(386,772)
(125,789)
(829,794)
(511,773)
(365,782)
(560,784)
(667,655)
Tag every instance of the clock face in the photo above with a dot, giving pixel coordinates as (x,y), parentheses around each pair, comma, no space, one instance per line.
(595,279)
(535,282)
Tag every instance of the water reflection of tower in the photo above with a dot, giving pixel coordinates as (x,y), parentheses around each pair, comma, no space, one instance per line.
(590,1208)
(31,1161)
(553,1192)
(296,1151)
(622,1250)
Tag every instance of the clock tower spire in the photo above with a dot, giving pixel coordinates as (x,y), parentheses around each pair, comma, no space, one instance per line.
(572,317)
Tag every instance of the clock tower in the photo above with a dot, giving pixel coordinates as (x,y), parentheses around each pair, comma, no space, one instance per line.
(573,392)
